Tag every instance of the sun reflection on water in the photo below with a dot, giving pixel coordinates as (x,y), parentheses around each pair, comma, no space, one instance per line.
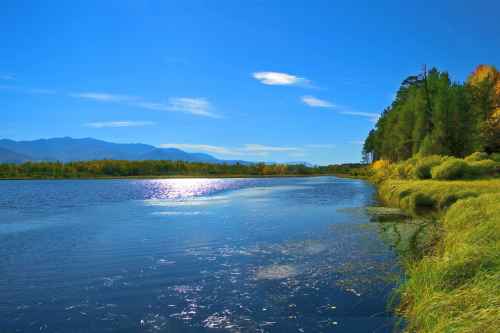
(186,188)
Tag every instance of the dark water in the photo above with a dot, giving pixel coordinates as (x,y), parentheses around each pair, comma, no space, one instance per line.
(192,255)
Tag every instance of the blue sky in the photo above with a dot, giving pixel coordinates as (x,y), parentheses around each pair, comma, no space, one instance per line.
(252,80)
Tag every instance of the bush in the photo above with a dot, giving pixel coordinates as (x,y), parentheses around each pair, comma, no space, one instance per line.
(495,157)
(420,201)
(423,167)
(477,156)
(482,168)
(404,170)
(381,164)
(453,168)
(449,199)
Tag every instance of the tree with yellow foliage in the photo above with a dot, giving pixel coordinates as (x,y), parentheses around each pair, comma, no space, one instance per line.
(484,85)
(433,115)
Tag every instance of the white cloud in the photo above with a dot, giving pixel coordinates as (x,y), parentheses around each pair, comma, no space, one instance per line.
(250,149)
(121,123)
(201,147)
(320,103)
(193,105)
(316,102)
(371,116)
(261,149)
(196,106)
(23,90)
(279,79)
(103,97)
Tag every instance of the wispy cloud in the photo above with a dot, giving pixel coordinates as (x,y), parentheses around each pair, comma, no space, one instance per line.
(23,90)
(103,97)
(316,102)
(321,103)
(196,106)
(249,149)
(279,79)
(193,105)
(371,116)
(201,147)
(7,77)
(262,149)
(120,123)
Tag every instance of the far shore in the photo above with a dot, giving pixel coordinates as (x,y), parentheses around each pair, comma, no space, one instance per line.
(185,177)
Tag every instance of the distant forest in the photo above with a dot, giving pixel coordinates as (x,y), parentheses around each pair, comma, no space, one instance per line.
(431,115)
(117,168)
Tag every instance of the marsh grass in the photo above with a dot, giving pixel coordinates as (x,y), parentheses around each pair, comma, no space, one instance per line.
(453,283)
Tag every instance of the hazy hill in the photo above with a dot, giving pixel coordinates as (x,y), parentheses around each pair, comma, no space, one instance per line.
(68,149)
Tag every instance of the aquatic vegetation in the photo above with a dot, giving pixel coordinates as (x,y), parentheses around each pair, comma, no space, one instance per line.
(386,214)
(276,272)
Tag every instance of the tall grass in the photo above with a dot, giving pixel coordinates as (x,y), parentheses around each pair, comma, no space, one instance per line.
(457,289)
(454,286)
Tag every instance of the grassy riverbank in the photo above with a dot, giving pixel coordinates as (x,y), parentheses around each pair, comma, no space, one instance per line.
(455,285)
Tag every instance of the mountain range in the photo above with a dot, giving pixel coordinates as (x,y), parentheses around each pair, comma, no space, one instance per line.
(69,149)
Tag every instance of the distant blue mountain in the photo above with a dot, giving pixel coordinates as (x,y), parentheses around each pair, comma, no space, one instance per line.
(68,149)
(8,156)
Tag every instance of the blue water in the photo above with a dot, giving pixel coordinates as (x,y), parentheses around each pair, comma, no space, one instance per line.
(192,255)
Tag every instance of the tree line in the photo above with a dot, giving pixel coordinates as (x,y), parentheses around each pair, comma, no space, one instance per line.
(119,168)
(431,115)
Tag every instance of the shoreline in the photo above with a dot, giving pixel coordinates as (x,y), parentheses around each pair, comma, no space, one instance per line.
(185,177)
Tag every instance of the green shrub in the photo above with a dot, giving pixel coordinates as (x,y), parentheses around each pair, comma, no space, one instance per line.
(449,199)
(477,156)
(452,168)
(495,157)
(424,165)
(403,170)
(482,168)
(420,201)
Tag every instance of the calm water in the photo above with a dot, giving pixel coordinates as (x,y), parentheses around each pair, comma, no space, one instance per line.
(192,255)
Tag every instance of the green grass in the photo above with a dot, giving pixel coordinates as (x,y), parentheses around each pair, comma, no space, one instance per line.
(455,287)
(475,166)
(422,195)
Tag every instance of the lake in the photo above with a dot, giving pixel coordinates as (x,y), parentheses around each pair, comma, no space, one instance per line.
(193,255)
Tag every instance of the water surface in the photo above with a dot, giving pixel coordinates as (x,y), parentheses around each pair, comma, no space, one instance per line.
(192,255)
